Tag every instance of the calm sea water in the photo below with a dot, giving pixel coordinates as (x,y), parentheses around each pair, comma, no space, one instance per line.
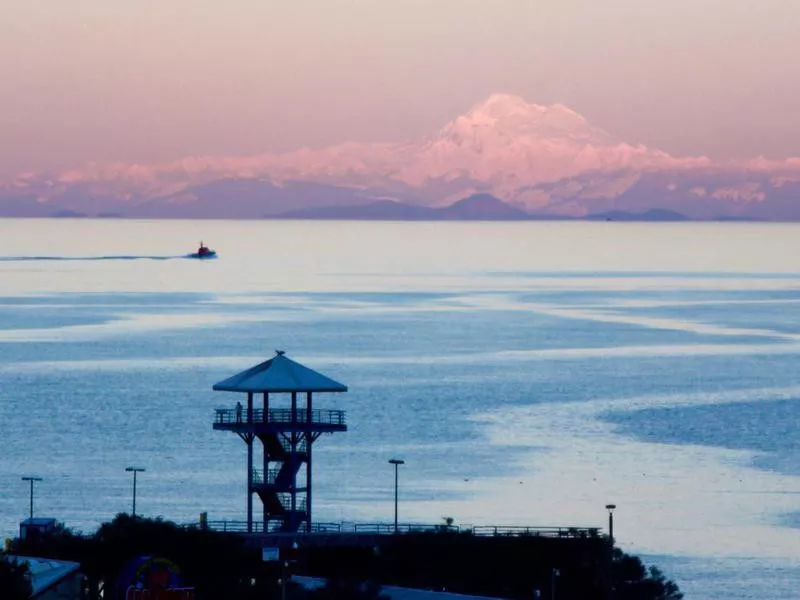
(528,373)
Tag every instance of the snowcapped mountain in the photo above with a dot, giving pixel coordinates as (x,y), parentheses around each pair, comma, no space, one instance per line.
(545,159)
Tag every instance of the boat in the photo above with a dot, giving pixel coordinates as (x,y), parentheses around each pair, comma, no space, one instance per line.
(203,252)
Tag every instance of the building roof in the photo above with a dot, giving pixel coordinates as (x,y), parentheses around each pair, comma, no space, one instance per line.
(279,374)
(392,592)
(45,572)
(39,522)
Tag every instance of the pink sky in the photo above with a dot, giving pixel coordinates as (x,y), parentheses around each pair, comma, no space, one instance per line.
(155,80)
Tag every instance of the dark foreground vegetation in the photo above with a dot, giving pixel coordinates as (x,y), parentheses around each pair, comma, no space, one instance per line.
(14,582)
(222,566)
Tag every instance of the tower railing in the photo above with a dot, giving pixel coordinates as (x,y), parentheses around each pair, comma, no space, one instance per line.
(285,498)
(271,477)
(231,416)
(300,448)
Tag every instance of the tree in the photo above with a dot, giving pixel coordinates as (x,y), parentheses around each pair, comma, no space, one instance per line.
(217,565)
(447,524)
(222,565)
(15,581)
(633,581)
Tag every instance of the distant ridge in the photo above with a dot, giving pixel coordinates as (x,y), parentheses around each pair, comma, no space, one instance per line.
(383,210)
(655,214)
(478,207)
(482,207)
(69,214)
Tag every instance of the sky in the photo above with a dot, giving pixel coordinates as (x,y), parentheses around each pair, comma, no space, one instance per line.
(156,80)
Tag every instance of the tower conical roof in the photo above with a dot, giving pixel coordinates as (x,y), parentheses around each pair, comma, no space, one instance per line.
(279,374)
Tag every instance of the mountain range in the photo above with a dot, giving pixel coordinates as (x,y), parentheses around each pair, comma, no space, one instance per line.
(535,161)
(478,207)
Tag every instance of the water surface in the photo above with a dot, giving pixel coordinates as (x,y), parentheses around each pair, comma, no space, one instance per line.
(528,373)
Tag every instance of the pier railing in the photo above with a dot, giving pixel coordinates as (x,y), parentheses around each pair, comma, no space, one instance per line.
(227,526)
(232,416)
(345,528)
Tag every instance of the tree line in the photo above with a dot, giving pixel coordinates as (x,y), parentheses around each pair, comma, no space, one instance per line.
(223,566)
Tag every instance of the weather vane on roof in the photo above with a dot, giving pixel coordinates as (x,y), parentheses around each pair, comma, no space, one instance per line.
(280,352)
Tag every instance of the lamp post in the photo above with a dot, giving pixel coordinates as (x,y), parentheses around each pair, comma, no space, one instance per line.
(285,568)
(610,508)
(134,470)
(396,462)
(31,479)
(553,574)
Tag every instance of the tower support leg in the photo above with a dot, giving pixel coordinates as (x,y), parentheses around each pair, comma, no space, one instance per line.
(250,484)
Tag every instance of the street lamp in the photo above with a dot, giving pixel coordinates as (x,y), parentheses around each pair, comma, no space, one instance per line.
(134,470)
(285,567)
(31,479)
(396,462)
(554,573)
(610,508)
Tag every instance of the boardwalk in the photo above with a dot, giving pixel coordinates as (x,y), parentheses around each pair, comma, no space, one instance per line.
(355,530)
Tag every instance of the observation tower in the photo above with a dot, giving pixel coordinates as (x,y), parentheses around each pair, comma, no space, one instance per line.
(286,432)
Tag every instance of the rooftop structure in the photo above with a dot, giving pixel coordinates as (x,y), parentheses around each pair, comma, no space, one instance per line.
(391,592)
(36,527)
(51,578)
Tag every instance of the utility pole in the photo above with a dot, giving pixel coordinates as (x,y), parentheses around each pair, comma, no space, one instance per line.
(396,462)
(134,470)
(610,508)
(553,574)
(31,479)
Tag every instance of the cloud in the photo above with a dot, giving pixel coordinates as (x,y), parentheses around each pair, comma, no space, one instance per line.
(748,192)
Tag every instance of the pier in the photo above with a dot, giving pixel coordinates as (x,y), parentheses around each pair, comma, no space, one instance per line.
(350,534)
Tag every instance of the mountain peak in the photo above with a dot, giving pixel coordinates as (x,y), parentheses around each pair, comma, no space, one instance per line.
(483,207)
(503,106)
(504,119)
(503,103)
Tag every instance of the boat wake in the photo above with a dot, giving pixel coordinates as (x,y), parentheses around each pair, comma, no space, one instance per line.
(85,258)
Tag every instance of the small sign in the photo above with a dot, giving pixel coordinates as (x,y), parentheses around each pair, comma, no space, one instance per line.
(270,554)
